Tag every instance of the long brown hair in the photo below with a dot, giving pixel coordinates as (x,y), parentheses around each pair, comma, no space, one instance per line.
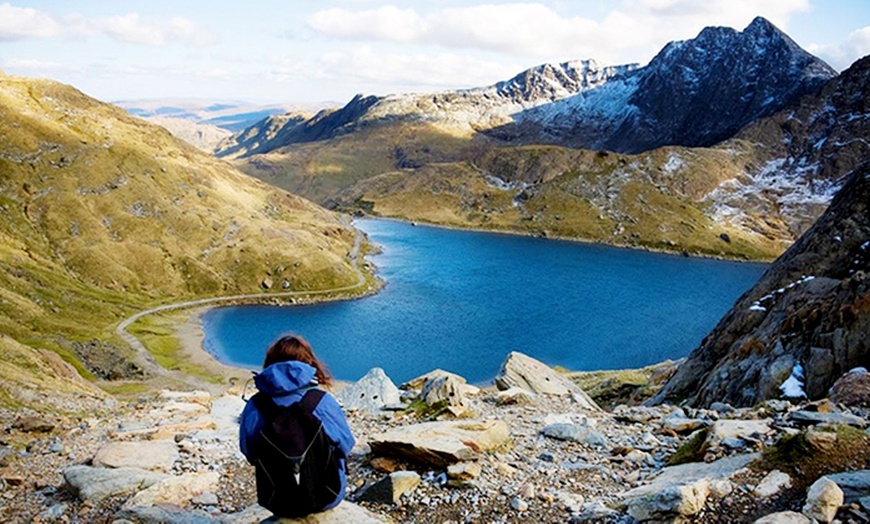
(294,347)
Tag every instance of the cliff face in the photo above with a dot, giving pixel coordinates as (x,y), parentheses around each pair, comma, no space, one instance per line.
(812,307)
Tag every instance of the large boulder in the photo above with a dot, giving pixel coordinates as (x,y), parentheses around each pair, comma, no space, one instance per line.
(522,371)
(824,498)
(440,444)
(371,393)
(344,513)
(852,389)
(157,455)
(95,484)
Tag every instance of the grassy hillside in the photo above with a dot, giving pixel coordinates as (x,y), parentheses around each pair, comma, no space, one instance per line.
(417,172)
(104,214)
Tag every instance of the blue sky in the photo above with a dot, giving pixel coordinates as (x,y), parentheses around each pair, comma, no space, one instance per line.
(313,51)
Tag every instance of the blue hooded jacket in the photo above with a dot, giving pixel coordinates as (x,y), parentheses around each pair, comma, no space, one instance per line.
(286,383)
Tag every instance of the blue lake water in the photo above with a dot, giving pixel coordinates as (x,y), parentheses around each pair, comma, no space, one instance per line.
(461,300)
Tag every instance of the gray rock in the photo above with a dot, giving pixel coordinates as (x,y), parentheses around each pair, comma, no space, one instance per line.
(773,483)
(721,407)
(518,504)
(808,418)
(96,484)
(55,512)
(580,433)
(594,512)
(680,423)
(784,517)
(390,489)
(522,371)
(729,430)
(444,390)
(371,393)
(855,484)
(157,455)
(680,491)
(205,499)
(442,443)
(824,498)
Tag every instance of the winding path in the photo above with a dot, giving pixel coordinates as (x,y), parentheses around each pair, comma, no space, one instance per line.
(148,360)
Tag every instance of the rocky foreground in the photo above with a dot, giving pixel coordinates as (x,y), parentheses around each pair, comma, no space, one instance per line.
(534,448)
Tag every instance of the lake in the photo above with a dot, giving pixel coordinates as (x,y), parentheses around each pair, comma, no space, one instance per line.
(462,300)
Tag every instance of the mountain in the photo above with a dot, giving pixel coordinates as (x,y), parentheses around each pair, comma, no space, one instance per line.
(479,157)
(202,136)
(809,312)
(230,115)
(105,215)
(811,306)
(693,93)
(458,112)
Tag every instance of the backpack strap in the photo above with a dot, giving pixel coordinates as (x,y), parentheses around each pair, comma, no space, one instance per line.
(310,400)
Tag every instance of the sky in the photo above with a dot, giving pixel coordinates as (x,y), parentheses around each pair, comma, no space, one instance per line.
(314,51)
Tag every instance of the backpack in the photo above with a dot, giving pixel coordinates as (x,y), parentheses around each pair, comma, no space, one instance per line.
(297,467)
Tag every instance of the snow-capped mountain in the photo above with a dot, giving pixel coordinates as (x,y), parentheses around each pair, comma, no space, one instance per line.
(460,112)
(695,93)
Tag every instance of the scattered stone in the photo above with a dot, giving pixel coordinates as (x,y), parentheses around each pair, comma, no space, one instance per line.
(772,484)
(855,484)
(720,489)
(198,397)
(519,504)
(55,512)
(522,371)
(824,498)
(417,383)
(33,424)
(821,440)
(852,389)
(390,489)
(156,455)
(723,430)
(385,464)
(673,502)
(513,396)
(808,418)
(11,477)
(371,393)
(594,512)
(463,472)
(95,484)
(678,422)
(784,517)
(721,408)
(442,443)
(580,433)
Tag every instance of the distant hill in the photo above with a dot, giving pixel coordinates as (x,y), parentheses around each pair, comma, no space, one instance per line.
(104,215)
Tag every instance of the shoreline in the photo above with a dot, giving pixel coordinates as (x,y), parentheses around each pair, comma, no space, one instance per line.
(573,240)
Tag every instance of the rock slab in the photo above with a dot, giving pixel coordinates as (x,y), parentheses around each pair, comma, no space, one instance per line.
(157,455)
(96,484)
(522,371)
(440,444)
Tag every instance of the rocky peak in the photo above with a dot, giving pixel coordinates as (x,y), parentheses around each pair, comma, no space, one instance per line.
(555,81)
(702,91)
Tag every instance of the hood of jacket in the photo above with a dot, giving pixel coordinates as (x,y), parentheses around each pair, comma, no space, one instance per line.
(284,378)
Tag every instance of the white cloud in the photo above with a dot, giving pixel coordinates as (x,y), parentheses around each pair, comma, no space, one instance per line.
(632,30)
(18,23)
(364,64)
(33,65)
(842,55)
(134,29)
